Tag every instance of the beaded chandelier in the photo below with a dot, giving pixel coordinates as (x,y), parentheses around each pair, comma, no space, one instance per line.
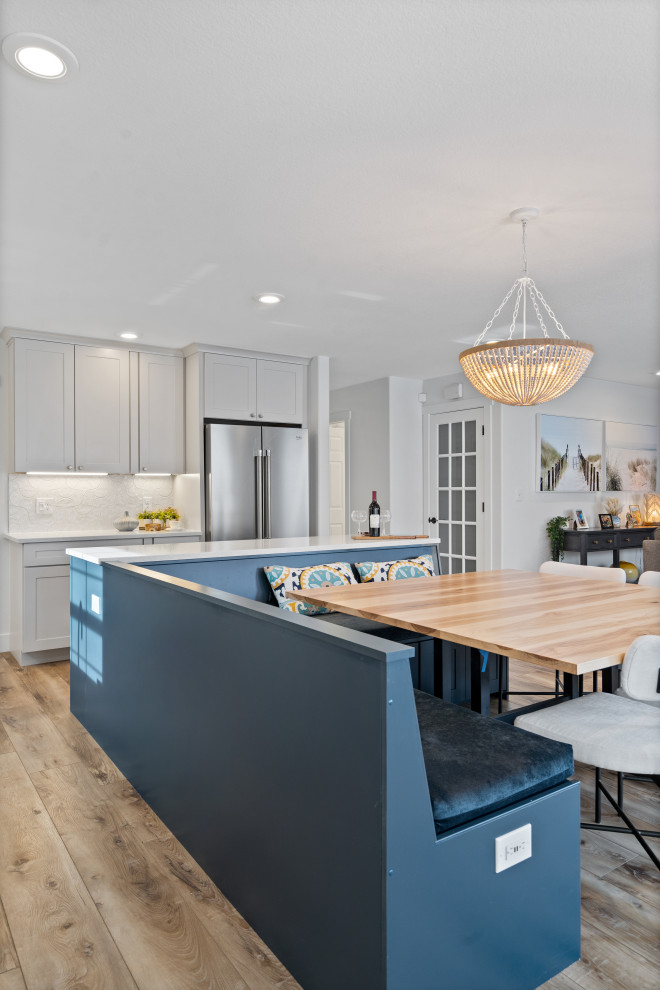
(530,370)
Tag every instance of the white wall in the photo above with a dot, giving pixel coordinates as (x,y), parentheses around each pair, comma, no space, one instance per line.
(406,495)
(368,404)
(4,546)
(318,422)
(385,447)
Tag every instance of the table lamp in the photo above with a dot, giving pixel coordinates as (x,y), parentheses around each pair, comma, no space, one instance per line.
(652,509)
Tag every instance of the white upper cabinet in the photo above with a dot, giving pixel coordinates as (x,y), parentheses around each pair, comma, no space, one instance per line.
(230,387)
(102,412)
(43,431)
(280,391)
(253,389)
(160,413)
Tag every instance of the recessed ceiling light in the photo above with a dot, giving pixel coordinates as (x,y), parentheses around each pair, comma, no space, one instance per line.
(37,55)
(269,298)
(128,335)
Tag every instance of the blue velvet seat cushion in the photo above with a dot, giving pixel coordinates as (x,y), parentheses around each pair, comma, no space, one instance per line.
(475,764)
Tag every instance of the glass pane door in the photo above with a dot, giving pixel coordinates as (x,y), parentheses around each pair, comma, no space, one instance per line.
(456,500)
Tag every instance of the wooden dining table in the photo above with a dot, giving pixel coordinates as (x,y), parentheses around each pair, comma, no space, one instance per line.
(556,622)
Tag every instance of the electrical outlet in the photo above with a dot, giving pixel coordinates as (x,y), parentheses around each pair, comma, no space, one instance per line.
(513,848)
(44,505)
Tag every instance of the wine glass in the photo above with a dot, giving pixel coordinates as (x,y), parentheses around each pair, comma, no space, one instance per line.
(359,516)
(385,517)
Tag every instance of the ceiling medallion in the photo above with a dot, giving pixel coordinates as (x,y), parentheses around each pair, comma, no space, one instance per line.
(530,370)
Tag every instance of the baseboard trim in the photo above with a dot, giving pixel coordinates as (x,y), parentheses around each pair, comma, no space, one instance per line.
(4,642)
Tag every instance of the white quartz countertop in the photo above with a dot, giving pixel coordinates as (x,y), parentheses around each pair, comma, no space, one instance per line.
(61,536)
(236,548)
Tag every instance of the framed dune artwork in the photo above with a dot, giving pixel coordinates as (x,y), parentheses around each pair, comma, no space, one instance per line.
(631,457)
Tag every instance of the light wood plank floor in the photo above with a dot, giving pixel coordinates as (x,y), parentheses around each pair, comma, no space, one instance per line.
(96,893)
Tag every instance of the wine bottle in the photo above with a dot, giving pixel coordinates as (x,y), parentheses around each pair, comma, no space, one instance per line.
(374,516)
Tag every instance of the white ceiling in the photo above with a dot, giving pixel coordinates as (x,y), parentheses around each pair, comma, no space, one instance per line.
(361,157)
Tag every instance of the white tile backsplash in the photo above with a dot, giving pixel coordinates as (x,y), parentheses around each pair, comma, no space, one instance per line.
(81,503)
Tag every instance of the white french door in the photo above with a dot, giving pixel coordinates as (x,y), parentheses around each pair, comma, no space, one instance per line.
(456,488)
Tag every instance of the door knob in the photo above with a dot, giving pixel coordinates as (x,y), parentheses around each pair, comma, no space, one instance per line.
(433,520)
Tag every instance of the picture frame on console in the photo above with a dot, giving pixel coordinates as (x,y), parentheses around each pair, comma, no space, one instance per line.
(636,515)
(580,519)
(605,519)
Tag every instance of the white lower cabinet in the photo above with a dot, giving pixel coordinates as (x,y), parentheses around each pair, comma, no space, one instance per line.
(45,608)
(39,623)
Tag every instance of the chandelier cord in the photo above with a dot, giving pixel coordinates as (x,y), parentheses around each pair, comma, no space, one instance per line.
(524,248)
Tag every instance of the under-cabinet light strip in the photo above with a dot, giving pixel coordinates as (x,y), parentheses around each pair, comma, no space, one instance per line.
(67,474)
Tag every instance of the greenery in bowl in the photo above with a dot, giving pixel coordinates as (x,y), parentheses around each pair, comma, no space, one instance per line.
(165,515)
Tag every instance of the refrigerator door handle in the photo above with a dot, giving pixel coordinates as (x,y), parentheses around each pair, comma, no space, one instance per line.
(259,482)
(267,533)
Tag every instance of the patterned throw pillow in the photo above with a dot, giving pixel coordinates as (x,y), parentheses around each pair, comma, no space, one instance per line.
(395,570)
(285,579)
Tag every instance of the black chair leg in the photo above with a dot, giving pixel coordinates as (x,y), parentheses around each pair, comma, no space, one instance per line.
(639,833)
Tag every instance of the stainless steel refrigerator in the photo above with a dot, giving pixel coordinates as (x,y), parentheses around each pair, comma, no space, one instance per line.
(257,481)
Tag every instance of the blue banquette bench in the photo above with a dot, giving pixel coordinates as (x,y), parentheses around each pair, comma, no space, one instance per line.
(440,668)
(349,818)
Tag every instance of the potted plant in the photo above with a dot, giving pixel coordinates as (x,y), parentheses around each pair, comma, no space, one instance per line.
(169,517)
(145,519)
(555,529)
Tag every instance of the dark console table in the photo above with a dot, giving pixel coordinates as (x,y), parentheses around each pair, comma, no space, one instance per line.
(595,540)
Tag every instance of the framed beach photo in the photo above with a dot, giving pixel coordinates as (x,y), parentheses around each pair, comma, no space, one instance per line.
(569,454)
(605,520)
(636,515)
(616,522)
(580,519)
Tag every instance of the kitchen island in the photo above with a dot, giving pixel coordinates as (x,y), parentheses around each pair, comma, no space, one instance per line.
(285,753)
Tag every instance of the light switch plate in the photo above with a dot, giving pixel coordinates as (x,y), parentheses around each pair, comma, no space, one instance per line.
(513,848)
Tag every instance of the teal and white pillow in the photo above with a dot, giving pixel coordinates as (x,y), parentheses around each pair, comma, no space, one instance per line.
(395,570)
(286,579)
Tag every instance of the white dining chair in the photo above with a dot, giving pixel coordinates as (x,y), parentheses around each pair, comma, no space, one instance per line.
(618,732)
(640,673)
(589,573)
(649,579)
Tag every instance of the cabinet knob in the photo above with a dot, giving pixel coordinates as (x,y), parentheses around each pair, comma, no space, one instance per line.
(433,520)
(610,541)
(251,415)
(626,539)
(69,467)
(80,467)
(144,469)
(260,416)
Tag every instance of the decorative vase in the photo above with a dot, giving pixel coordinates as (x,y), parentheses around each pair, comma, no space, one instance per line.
(125,523)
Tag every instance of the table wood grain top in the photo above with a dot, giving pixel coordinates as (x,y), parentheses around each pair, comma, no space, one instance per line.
(562,623)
